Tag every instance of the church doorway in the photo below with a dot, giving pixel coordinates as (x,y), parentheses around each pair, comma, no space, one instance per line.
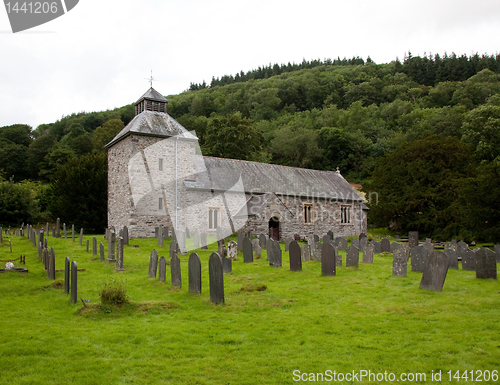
(274,228)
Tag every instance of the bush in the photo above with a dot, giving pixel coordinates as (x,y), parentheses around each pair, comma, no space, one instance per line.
(114,293)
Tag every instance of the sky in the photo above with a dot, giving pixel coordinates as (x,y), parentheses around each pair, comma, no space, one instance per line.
(99,55)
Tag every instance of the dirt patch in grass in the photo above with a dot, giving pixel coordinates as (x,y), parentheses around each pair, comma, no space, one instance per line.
(154,307)
(253,287)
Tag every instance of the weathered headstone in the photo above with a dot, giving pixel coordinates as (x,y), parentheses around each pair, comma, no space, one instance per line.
(399,263)
(119,254)
(385,246)
(368,254)
(413,239)
(462,247)
(295,256)
(51,272)
(361,236)
(94,246)
(486,265)
(87,246)
(188,233)
(111,246)
(247,251)
(287,243)
(317,251)
(306,253)
(232,250)
(435,271)
(341,243)
(262,241)
(101,251)
(377,245)
(352,256)
(221,248)
(216,279)
(330,234)
(58,228)
(160,236)
(241,236)
(73,232)
(418,258)
(162,269)
(204,244)
(67,271)
(277,254)
(468,260)
(429,246)
(173,248)
(452,258)
(227,265)
(74,282)
(175,270)
(497,251)
(316,238)
(363,242)
(196,239)
(328,263)
(153,264)
(355,242)
(64,231)
(257,251)
(81,236)
(125,236)
(194,272)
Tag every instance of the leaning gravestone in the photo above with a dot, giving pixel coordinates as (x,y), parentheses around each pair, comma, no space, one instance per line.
(175,271)
(306,253)
(194,271)
(368,254)
(67,272)
(328,263)
(221,248)
(295,257)
(101,251)
(153,264)
(232,250)
(74,282)
(399,263)
(486,265)
(418,258)
(413,239)
(352,258)
(435,271)
(162,269)
(247,251)
(216,279)
(452,258)
(468,260)
(204,244)
(385,246)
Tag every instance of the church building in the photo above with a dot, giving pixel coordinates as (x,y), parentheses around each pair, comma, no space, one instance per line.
(157,176)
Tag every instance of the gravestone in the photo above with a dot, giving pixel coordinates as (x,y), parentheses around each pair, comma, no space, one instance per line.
(287,243)
(462,247)
(216,279)
(497,251)
(317,251)
(295,257)
(454,245)
(196,239)
(166,232)
(452,258)
(429,246)
(111,246)
(316,238)
(51,272)
(74,282)
(355,242)
(363,243)
(394,246)
(257,251)
(330,234)
(241,236)
(418,258)
(73,232)
(368,254)
(58,228)
(173,248)
(162,269)
(413,239)
(352,256)
(125,236)
(385,246)
(486,265)
(153,264)
(175,270)
(94,246)
(269,248)
(227,265)
(188,233)
(64,231)
(328,263)
(232,250)
(194,272)
(306,253)
(119,255)
(262,241)
(341,243)
(87,246)
(67,269)
(327,239)
(181,241)
(221,249)
(160,236)
(468,260)
(81,236)
(435,271)
(218,233)
(247,251)
(204,244)
(277,255)
(101,250)
(377,246)
(399,263)
(361,236)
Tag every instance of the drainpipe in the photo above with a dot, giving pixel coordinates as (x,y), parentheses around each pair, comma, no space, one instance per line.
(176,140)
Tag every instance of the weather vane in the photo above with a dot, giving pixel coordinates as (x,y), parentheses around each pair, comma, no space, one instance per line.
(150,79)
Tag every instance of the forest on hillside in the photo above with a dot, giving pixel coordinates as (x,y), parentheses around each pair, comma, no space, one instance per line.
(422,134)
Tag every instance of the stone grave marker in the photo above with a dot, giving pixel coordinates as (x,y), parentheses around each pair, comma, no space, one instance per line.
(173,248)
(81,236)
(58,228)
(341,243)
(262,241)
(452,258)
(454,245)
(385,246)
(316,238)
(277,255)
(74,282)
(429,246)
(295,257)
(216,279)
(418,258)
(101,251)
(94,246)
(486,265)
(160,236)
(328,263)
(435,271)
(221,249)
(377,246)
(111,246)
(87,246)
(153,264)
(51,272)
(306,253)
(64,231)
(119,254)
(204,244)
(363,243)
(361,236)
(330,234)
(196,239)
(125,236)
(413,239)
(73,232)
(399,263)
(368,254)
(497,251)
(287,243)
(394,246)
(162,269)
(247,251)
(175,270)
(166,232)
(194,271)
(188,233)
(461,248)
(227,265)
(468,260)
(269,249)
(317,251)
(241,236)
(352,256)
(327,239)
(232,250)
(67,270)
(355,242)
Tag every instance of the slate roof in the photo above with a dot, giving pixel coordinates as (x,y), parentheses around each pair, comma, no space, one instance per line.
(159,124)
(260,178)
(152,94)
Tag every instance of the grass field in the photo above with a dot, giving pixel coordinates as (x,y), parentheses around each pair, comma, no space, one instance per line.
(302,326)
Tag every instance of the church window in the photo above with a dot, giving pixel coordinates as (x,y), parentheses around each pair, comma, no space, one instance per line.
(308,210)
(160,164)
(160,203)
(345,214)
(214,218)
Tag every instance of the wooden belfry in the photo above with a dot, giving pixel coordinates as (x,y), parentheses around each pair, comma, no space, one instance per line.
(152,100)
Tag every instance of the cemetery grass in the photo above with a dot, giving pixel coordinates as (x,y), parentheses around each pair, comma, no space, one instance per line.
(273,322)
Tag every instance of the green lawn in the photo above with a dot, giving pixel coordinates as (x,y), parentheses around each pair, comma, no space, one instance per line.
(362,319)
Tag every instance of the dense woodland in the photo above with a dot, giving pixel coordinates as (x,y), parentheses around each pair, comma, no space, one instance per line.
(421,135)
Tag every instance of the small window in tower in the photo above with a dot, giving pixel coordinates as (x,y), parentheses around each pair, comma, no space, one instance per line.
(308,210)
(160,203)
(160,164)
(214,217)
(345,214)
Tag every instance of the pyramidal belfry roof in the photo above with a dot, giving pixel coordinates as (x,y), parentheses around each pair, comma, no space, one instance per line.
(152,94)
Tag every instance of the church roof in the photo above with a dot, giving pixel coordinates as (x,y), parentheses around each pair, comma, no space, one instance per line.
(152,94)
(260,178)
(159,124)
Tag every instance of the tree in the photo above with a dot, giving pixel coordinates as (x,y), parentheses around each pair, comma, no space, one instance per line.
(105,133)
(418,186)
(80,192)
(37,151)
(19,203)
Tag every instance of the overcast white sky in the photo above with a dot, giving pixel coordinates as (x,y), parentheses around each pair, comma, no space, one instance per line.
(98,55)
